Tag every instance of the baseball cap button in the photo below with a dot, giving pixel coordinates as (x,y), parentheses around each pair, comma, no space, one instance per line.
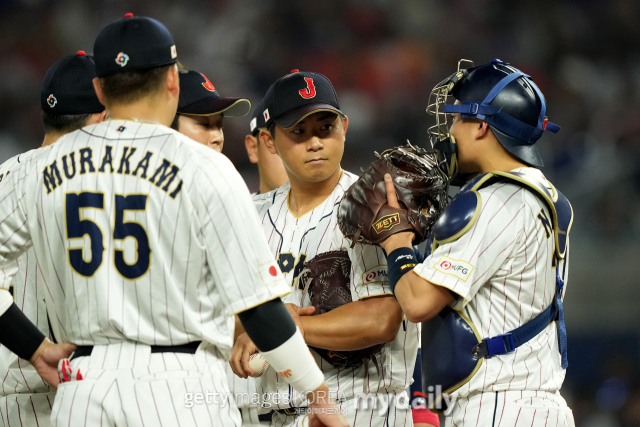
(295,70)
(81,53)
(128,15)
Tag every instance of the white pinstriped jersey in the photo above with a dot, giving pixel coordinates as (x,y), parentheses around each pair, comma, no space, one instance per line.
(141,234)
(17,375)
(296,240)
(504,273)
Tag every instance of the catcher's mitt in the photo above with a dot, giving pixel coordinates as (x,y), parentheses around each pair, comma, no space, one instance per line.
(326,279)
(421,186)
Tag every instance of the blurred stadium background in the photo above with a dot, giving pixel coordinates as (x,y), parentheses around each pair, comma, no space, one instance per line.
(384,56)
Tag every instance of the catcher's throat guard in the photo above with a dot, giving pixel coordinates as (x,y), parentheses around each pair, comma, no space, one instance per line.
(452,349)
(442,142)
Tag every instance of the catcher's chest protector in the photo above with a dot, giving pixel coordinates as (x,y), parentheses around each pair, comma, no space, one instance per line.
(452,349)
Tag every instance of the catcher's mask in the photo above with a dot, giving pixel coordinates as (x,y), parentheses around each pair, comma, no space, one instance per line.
(499,94)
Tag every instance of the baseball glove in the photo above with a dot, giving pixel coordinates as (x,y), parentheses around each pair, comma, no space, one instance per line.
(421,186)
(326,279)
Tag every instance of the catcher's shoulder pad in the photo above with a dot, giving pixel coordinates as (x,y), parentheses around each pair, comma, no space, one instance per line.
(461,214)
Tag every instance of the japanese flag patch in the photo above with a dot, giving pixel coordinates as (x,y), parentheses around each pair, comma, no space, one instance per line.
(453,267)
(270,273)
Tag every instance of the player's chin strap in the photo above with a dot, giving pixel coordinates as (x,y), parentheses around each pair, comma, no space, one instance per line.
(506,343)
(495,117)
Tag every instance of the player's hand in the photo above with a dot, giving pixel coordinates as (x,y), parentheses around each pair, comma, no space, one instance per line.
(296,312)
(323,411)
(398,240)
(242,349)
(46,359)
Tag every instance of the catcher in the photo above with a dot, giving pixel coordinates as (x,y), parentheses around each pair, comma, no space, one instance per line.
(359,337)
(490,292)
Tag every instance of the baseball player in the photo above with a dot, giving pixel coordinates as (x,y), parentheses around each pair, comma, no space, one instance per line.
(490,293)
(68,103)
(270,167)
(148,243)
(307,129)
(200,116)
(201,110)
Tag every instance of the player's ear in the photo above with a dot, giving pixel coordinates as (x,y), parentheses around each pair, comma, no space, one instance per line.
(345,124)
(267,139)
(173,81)
(251,143)
(482,130)
(98,89)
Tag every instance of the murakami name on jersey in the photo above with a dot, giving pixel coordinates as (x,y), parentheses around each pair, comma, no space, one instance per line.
(127,162)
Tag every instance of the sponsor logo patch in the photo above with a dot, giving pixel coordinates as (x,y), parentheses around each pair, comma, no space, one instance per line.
(453,267)
(269,272)
(386,223)
(377,274)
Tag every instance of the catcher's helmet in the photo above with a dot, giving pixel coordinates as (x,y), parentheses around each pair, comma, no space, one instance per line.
(504,97)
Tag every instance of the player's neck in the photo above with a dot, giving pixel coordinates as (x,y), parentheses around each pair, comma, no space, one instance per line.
(499,160)
(143,110)
(306,196)
(264,187)
(51,137)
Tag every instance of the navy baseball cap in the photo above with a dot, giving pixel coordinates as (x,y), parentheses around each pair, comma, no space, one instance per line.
(199,97)
(68,86)
(297,95)
(133,43)
(257,119)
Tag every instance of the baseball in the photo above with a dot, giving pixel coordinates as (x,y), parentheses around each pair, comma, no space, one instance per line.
(258,364)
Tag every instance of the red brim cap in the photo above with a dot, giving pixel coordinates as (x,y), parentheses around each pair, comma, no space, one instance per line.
(233,107)
(292,117)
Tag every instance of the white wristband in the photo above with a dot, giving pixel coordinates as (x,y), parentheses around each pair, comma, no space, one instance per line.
(295,364)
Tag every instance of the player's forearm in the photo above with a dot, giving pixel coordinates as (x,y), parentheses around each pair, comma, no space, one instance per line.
(354,326)
(420,299)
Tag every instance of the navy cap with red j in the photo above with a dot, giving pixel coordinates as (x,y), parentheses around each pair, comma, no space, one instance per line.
(199,97)
(68,86)
(297,95)
(133,43)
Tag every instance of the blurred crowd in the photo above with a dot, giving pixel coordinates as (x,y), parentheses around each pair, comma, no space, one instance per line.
(384,57)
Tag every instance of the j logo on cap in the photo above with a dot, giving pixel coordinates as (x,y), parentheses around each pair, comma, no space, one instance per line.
(52,101)
(309,91)
(122,59)
(208,85)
